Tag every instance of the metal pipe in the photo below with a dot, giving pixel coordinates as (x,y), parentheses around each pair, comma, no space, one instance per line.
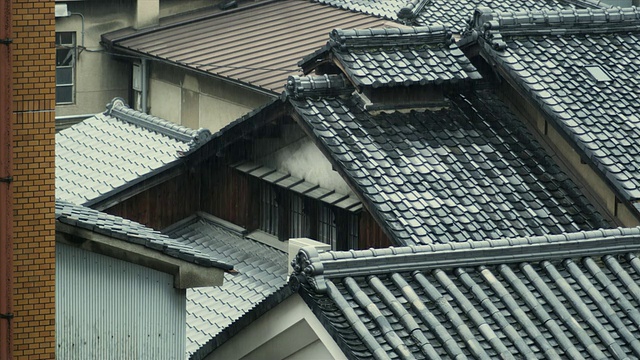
(6,178)
(81,16)
(144,69)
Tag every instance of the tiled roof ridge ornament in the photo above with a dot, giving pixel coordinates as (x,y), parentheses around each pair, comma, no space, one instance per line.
(194,138)
(312,268)
(390,37)
(410,12)
(492,25)
(315,86)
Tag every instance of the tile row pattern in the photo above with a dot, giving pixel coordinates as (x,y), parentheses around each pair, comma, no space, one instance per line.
(261,273)
(110,151)
(396,56)
(133,232)
(467,172)
(566,306)
(551,58)
(454,15)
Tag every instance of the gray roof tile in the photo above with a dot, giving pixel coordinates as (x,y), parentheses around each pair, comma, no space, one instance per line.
(468,172)
(599,115)
(127,230)
(111,151)
(261,273)
(545,302)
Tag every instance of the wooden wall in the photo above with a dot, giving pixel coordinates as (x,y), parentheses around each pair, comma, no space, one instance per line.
(371,234)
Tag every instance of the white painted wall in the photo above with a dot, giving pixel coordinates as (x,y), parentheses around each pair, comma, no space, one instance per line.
(288,330)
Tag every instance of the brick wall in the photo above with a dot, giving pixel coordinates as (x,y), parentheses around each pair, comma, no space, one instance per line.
(34,179)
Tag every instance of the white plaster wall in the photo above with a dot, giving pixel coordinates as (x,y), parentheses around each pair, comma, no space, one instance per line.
(215,113)
(165,100)
(99,78)
(285,330)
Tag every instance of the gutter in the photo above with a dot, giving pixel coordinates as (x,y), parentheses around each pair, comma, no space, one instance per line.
(6,178)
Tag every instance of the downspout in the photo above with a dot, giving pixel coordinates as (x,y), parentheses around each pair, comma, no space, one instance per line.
(6,188)
(144,70)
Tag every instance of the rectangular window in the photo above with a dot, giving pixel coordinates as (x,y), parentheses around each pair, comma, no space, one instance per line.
(268,209)
(327,226)
(65,67)
(299,221)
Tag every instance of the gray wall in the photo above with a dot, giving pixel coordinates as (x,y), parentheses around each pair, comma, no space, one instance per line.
(110,309)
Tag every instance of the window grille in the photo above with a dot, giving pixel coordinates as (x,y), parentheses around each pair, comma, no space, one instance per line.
(327,226)
(268,209)
(65,67)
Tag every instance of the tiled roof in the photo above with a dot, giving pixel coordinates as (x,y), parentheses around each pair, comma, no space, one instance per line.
(452,14)
(260,282)
(565,296)
(467,172)
(133,232)
(257,45)
(111,151)
(582,69)
(406,56)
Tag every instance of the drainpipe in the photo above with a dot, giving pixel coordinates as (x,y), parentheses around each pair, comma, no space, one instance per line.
(6,189)
(144,69)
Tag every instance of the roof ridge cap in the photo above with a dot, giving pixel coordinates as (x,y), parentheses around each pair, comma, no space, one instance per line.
(411,10)
(344,39)
(118,109)
(298,87)
(312,267)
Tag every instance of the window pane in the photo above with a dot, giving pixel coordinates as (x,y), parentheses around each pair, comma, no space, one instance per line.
(65,38)
(64,56)
(64,94)
(64,76)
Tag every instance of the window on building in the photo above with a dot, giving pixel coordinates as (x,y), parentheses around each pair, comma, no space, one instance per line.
(268,209)
(327,226)
(65,67)
(299,218)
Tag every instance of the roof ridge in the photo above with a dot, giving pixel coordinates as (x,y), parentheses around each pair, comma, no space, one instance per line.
(118,109)
(409,12)
(311,266)
(390,37)
(491,25)
(314,86)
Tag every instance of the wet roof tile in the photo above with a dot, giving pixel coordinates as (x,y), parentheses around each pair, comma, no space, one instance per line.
(541,297)
(466,172)
(581,68)
(113,150)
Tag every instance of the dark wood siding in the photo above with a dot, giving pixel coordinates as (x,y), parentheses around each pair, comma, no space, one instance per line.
(163,204)
(371,234)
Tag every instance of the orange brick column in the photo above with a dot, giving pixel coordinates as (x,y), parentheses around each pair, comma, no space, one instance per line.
(34,179)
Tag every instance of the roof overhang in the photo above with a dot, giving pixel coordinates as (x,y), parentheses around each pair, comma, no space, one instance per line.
(185,274)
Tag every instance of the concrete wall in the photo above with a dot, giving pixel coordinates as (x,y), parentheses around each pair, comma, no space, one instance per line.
(173,7)
(290,330)
(99,76)
(195,100)
(107,308)
(33,179)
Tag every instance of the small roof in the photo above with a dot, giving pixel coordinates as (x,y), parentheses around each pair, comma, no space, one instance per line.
(469,171)
(556,296)
(581,68)
(112,151)
(455,15)
(386,57)
(256,45)
(214,314)
(133,232)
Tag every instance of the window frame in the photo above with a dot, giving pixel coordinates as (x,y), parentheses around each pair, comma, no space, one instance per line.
(72,47)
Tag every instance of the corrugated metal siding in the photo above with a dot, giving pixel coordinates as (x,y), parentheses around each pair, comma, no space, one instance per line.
(259,46)
(111,309)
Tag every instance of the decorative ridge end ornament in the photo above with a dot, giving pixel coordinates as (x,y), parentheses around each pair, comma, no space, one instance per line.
(316,86)
(308,270)
(408,13)
(119,109)
(492,25)
(344,40)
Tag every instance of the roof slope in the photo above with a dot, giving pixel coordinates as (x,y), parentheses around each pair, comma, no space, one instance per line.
(466,172)
(386,57)
(133,232)
(112,151)
(565,296)
(260,282)
(455,15)
(582,69)
(257,45)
